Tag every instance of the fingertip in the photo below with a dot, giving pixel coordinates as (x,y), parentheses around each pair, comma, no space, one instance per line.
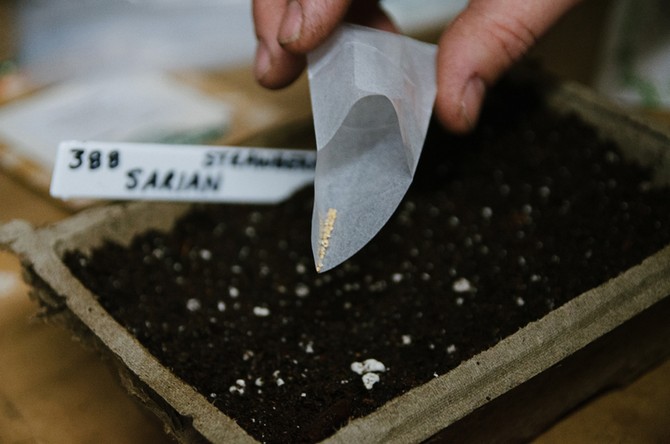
(262,61)
(275,71)
(290,29)
(305,24)
(459,111)
(453,122)
(275,68)
(471,102)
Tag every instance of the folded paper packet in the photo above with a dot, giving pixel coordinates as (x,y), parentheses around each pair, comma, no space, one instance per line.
(372,96)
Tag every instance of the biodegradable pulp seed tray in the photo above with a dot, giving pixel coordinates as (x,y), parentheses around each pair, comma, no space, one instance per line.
(514,282)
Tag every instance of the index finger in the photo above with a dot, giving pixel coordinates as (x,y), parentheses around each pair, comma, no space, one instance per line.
(308,23)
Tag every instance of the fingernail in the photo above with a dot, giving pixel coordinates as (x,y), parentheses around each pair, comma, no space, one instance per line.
(471,101)
(262,61)
(291,26)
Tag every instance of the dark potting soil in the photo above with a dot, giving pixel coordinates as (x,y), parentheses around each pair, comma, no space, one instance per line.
(498,229)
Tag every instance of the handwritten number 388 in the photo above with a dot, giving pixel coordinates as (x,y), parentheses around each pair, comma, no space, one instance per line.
(93,159)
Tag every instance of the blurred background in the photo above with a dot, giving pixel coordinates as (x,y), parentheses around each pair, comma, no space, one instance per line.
(58,39)
(103,66)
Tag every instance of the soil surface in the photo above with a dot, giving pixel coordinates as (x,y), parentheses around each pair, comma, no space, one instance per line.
(498,229)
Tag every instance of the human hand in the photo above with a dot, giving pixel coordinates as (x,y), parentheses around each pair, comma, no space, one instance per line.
(473,51)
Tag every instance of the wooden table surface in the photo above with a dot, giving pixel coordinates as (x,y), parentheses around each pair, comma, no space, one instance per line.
(53,390)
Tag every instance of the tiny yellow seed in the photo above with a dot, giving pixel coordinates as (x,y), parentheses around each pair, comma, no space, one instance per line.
(325,231)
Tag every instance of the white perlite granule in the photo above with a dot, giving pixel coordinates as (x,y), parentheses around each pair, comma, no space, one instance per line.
(301,290)
(238,388)
(357,367)
(309,347)
(261,311)
(461,285)
(370,379)
(369,365)
(193,304)
(369,369)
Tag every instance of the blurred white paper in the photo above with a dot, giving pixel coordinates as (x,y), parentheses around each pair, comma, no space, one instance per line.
(61,40)
(372,97)
(148,107)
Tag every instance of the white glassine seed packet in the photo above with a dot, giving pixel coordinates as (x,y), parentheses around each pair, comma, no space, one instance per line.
(372,97)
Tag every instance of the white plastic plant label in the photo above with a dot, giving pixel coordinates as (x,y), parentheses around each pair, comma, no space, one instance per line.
(132,171)
(372,97)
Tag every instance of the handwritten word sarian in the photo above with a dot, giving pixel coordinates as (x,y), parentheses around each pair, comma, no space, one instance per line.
(172,180)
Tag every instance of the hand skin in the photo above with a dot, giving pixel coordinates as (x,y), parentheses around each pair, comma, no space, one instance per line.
(473,51)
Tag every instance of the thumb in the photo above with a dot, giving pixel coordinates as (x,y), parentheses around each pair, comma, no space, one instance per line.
(479,45)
